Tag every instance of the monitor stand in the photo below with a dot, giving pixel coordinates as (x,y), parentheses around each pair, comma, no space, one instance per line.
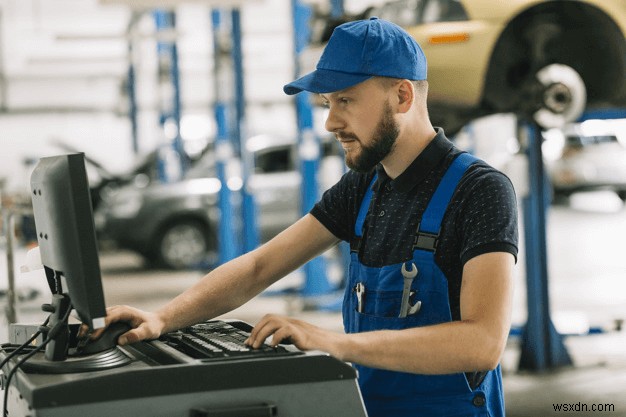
(60,357)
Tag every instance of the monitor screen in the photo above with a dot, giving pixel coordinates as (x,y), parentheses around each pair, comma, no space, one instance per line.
(66,234)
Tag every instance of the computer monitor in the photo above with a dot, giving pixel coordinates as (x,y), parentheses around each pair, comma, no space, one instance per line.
(69,253)
(66,234)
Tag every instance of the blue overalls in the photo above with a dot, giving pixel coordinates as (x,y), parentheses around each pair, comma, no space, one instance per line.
(372,302)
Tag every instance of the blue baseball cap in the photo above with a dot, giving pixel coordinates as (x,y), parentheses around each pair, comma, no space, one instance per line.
(360,50)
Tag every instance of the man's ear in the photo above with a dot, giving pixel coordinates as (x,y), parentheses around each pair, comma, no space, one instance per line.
(406,95)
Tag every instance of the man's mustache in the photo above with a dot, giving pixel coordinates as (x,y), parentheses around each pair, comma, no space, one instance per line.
(346,136)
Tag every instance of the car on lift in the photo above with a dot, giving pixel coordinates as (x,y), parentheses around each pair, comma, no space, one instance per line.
(175,225)
(591,157)
(545,60)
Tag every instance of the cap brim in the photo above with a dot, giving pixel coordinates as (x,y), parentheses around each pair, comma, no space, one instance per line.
(324,81)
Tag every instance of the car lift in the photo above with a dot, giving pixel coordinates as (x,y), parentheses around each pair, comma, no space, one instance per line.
(167,55)
(173,161)
(315,282)
(228,244)
(230,136)
(318,293)
(542,346)
(230,142)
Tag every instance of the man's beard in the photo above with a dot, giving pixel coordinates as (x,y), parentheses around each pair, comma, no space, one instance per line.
(384,139)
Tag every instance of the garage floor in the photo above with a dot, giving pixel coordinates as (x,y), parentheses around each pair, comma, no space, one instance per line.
(587,267)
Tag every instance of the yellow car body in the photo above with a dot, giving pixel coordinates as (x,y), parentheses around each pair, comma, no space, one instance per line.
(459,53)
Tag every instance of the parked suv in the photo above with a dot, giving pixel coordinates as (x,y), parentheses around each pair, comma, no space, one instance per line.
(175,225)
(543,59)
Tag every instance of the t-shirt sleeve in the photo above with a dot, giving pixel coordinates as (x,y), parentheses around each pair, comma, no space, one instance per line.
(336,208)
(488,217)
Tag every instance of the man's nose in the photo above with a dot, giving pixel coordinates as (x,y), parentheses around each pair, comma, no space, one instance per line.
(334,121)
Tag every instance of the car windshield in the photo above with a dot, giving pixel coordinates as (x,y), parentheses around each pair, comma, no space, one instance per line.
(415,12)
(443,11)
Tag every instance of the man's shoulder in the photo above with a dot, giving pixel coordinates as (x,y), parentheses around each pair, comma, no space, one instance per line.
(482,172)
(480,177)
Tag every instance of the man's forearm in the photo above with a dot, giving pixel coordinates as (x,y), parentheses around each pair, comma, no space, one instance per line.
(221,290)
(474,343)
(439,349)
(234,283)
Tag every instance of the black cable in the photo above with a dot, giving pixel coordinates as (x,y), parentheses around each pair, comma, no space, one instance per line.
(50,336)
(14,370)
(23,345)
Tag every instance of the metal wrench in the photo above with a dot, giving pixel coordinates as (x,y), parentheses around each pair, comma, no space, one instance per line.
(405,306)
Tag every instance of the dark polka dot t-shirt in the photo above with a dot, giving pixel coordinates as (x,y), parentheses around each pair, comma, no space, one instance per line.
(481,217)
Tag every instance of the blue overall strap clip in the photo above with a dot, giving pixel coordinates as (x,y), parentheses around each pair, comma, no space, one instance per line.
(360,220)
(428,229)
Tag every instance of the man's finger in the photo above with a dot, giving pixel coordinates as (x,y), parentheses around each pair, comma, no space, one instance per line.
(262,331)
(280,335)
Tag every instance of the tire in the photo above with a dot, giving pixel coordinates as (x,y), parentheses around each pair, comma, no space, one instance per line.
(535,71)
(184,245)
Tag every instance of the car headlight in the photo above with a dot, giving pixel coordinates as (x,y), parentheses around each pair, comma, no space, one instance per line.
(127,204)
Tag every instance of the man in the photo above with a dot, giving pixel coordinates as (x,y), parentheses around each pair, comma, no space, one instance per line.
(433,233)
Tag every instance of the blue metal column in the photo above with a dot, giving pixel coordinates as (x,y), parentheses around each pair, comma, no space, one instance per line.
(250,230)
(336,11)
(603,114)
(316,281)
(227,240)
(542,347)
(336,8)
(168,68)
(132,97)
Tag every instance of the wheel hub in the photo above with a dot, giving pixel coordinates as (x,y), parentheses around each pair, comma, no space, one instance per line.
(557,98)
(563,98)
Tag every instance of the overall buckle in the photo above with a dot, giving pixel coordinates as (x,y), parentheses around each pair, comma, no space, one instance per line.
(425,240)
(355,245)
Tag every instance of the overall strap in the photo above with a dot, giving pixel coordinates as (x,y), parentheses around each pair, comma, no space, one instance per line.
(360,220)
(428,229)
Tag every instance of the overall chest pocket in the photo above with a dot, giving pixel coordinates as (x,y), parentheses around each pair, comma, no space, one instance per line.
(380,309)
(375,299)
(383,303)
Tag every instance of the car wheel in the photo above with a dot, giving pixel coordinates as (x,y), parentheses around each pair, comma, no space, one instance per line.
(562,96)
(184,245)
(536,70)
(622,194)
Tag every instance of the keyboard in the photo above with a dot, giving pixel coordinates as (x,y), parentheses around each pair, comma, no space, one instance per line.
(218,339)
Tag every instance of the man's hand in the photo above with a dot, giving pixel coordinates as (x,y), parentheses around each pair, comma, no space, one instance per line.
(304,336)
(145,325)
